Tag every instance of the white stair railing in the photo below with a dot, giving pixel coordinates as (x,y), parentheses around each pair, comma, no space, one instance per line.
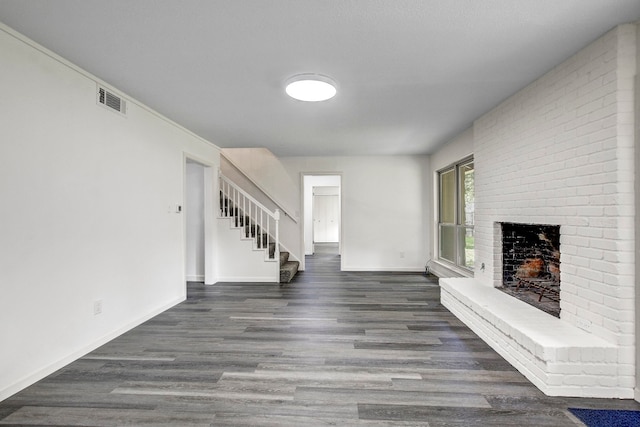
(257,222)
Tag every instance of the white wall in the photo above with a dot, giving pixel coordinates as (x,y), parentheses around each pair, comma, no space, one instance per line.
(87,215)
(264,169)
(453,151)
(385,202)
(194,212)
(239,259)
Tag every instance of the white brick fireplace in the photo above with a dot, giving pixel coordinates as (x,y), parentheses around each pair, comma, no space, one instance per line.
(561,151)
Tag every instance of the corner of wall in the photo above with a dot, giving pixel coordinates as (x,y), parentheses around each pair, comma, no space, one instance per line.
(637,207)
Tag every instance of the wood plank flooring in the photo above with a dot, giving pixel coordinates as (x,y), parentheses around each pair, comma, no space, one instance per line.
(330,349)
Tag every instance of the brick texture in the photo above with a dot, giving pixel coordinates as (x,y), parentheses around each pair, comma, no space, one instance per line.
(561,152)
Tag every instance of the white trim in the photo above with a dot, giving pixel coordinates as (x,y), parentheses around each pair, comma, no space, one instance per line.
(454,269)
(210,236)
(196,278)
(390,269)
(210,207)
(48,370)
(236,279)
(442,270)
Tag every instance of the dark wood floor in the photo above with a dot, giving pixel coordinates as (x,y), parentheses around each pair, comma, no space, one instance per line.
(331,348)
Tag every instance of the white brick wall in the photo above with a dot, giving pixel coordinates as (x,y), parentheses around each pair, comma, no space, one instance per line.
(561,151)
(559,358)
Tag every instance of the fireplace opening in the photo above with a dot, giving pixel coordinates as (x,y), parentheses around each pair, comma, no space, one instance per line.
(531,264)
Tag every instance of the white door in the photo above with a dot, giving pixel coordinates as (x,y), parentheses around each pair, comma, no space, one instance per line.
(326,218)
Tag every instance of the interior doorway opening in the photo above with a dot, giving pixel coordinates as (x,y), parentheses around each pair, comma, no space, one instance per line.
(198,221)
(322,211)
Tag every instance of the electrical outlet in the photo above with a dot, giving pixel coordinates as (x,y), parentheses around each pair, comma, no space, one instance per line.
(584,324)
(97,307)
(401,254)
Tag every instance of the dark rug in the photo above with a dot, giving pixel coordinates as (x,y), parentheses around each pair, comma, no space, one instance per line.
(607,418)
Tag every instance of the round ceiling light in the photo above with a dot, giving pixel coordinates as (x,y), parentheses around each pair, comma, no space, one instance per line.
(310,87)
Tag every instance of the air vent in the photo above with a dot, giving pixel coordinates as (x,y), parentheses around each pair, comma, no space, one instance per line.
(111,101)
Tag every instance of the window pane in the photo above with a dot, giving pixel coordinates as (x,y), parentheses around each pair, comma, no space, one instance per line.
(467,193)
(456,214)
(466,244)
(448,242)
(448,197)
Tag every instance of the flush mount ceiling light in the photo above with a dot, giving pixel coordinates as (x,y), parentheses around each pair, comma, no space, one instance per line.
(310,87)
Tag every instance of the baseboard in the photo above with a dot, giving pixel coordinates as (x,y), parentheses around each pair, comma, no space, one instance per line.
(196,278)
(386,269)
(48,370)
(236,279)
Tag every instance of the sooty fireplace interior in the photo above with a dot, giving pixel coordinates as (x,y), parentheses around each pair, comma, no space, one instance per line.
(531,264)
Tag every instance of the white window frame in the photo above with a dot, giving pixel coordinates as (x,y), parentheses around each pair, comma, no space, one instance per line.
(458,262)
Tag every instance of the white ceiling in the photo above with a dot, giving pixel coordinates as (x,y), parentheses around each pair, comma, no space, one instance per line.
(411,73)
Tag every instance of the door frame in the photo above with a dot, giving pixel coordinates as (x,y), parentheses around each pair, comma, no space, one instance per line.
(305,214)
(210,184)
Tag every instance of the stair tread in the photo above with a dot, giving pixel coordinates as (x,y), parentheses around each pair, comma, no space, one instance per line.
(290,265)
(288,270)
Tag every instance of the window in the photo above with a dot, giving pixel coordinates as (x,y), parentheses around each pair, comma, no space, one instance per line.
(455,214)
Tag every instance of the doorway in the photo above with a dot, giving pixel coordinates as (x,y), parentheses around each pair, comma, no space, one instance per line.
(322,212)
(198,221)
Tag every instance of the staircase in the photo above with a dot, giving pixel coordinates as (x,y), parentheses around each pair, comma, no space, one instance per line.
(288,268)
(258,223)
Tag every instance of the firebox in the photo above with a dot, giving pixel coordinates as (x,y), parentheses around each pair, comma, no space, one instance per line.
(531,264)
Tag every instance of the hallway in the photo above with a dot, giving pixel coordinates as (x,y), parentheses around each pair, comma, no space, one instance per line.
(330,348)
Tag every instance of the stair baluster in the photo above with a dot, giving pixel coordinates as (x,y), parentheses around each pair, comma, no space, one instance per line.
(257,222)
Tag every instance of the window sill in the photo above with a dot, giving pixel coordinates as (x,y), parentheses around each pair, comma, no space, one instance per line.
(442,270)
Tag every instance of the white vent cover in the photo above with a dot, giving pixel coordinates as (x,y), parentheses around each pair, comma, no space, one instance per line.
(111,101)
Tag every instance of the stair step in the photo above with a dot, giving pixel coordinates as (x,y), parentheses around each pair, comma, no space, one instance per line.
(272,250)
(288,270)
(284,257)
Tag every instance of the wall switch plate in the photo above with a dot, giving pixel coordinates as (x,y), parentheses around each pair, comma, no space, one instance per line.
(97,307)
